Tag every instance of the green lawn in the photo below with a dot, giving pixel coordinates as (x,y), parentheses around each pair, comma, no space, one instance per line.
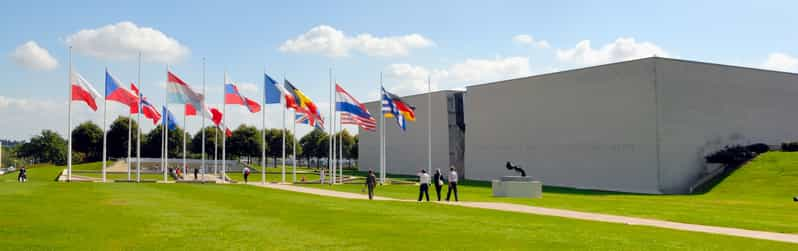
(757,196)
(46,215)
(123,176)
(275,175)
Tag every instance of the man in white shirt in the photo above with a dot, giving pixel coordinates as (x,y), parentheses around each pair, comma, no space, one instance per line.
(423,179)
(452,184)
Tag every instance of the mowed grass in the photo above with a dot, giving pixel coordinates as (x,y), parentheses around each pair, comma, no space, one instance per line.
(757,196)
(46,215)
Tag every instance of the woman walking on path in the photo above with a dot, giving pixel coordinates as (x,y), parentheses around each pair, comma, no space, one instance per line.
(23,175)
(423,178)
(371,182)
(437,179)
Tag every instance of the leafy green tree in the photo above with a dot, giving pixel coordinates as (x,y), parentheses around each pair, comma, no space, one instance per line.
(210,133)
(117,138)
(87,138)
(46,147)
(245,142)
(151,148)
(310,144)
(353,151)
(275,144)
(347,140)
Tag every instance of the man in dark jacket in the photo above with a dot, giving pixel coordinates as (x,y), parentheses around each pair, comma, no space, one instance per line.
(437,180)
(371,182)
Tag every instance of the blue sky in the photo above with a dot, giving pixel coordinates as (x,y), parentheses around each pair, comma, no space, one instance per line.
(457,43)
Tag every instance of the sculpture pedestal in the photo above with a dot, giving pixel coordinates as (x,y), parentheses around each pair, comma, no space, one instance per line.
(517,187)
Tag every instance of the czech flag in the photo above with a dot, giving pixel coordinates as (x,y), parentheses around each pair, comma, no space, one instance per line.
(233,97)
(83,91)
(150,111)
(115,92)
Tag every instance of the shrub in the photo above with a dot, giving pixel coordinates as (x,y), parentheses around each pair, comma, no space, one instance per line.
(789,146)
(758,148)
(731,155)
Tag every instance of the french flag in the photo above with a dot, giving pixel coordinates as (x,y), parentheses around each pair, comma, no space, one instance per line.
(115,92)
(233,97)
(150,111)
(83,91)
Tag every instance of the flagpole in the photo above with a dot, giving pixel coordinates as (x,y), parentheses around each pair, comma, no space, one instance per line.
(429,124)
(284,145)
(333,137)
(69,119)
(204,108)
(330,137)
(129,144)
(293,158)
(138,128)
(105,132)
(224,135)
(215,149)
(185,128)
(165,131)
(263,134)
(382,135)
(340,149)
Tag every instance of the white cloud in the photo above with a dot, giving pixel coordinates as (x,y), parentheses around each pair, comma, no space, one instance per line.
(30,55)
(619,50)
(410,79)
(331,42)
(781,62)
(524,39)
(124,40)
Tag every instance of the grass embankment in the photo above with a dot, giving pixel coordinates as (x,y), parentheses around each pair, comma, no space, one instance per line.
(46,215)
(757,196)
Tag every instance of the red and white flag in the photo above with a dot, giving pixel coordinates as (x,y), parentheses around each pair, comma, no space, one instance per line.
(82,90)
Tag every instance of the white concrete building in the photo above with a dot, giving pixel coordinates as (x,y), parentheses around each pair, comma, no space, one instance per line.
(637,126)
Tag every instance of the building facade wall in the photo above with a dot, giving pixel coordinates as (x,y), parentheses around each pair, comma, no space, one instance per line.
(704,107)
(588,128)
(406,152)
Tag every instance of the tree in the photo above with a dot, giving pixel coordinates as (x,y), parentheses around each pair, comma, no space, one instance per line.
(348,141)
(210,133)
(151,148)
(353,151)
(245,142)
(117,138)
(87,139)
(46,147)
(275,144)
(310,144)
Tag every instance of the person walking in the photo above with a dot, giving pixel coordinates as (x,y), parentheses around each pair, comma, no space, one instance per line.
(246,174)
(423,179)
(196,171)
(452,184)
(437,179)
(371,182)
(23,175)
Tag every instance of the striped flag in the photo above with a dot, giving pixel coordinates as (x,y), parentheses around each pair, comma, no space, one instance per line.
(395,107)
(352,111)
(302,118)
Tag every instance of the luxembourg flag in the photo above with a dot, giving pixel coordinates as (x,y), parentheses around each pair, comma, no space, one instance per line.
(83,91)
(178,92)
(115,92)
(233,97)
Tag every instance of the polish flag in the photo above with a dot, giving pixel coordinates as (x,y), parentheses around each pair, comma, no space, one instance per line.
(82,90)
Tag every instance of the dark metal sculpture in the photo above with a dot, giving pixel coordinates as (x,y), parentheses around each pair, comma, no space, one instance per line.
(510,166)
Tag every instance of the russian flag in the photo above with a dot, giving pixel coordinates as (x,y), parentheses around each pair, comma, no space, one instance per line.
(233,97)
(83,91)
(115,92)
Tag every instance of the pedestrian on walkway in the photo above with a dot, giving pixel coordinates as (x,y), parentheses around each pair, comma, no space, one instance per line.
(437,179)
(23,174)
(423,179)
(371,182)
(196,171)
(452,184)
(246,174)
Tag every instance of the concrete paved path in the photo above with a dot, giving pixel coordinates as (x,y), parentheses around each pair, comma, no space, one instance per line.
(791,238)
